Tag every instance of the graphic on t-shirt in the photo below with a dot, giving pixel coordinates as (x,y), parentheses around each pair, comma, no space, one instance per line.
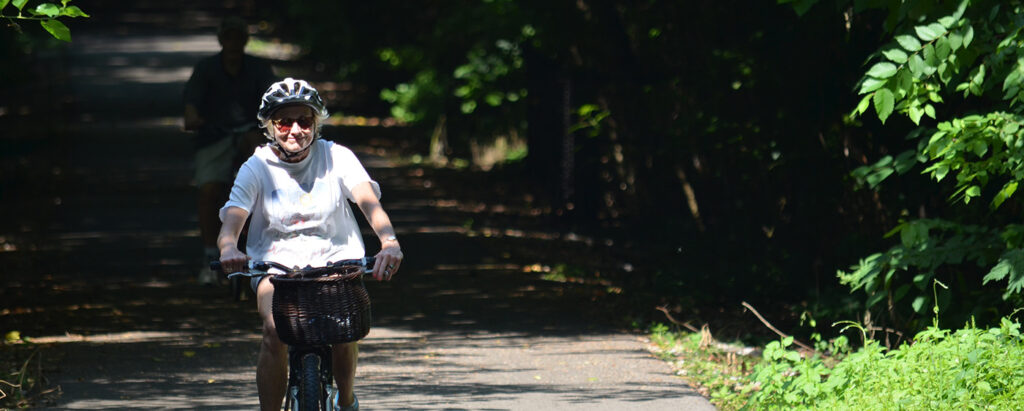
(300,210)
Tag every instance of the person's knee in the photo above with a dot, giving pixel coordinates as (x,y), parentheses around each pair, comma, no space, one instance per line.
(270,339)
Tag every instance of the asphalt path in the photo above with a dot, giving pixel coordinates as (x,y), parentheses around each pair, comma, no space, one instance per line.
(106,253)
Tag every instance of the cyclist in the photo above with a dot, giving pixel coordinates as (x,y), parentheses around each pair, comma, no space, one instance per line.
(220,97)
(297,188)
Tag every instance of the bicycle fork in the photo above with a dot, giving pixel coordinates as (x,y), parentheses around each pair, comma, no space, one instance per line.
(310,379)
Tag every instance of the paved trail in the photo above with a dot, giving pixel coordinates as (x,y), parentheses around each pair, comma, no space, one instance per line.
(106,260)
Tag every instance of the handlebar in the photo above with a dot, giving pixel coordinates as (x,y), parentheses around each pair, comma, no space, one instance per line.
(261,267)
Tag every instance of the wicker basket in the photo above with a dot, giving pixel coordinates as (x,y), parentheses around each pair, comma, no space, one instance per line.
(323,310)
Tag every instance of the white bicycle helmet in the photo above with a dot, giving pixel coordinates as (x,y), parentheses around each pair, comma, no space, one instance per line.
(289,92)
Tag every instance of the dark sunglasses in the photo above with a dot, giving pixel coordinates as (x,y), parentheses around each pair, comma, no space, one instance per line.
(285,124)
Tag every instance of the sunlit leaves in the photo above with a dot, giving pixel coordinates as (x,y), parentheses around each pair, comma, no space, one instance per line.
(875,173)
(908,42)
(48,10)
(882,70)
(896,56)
(930,32)
(57,29)
(47,14)
(871,84)
(883,102)
(975,146)
(73,11)
(1006,192)
(1010,268)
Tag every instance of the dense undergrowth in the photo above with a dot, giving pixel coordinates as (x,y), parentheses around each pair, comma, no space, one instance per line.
(967,368)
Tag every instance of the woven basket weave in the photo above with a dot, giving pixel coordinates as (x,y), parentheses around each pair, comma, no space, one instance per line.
(322,310)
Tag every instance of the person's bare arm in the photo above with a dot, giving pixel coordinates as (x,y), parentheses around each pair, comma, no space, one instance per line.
(389,259)
(231,258)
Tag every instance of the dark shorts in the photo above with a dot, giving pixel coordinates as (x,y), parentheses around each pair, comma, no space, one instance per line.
(255,282)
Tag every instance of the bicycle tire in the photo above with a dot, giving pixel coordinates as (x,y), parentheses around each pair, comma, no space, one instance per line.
(310,398)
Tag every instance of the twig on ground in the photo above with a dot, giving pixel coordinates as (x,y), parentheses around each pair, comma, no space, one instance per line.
(771,327)
(664,309)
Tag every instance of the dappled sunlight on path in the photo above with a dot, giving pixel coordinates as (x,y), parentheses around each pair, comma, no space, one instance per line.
(103,265)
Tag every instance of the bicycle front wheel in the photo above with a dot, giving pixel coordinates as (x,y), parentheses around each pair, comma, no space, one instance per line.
(310,391)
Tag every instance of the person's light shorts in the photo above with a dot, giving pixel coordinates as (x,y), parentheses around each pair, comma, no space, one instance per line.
(215,162)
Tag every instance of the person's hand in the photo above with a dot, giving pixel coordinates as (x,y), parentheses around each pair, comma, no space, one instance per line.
(192,119)
(389,259)
(232,260)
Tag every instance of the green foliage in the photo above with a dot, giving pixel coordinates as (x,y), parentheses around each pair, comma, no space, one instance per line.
(937,53)
(418,100)
(955,70)
(970,368)
(926,246)
(46,13)
(720,375)
(483,77)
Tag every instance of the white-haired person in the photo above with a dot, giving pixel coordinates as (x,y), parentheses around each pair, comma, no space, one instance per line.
(297,188)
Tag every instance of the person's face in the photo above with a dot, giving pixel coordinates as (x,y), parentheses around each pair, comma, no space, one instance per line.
(233,41)
(293,127)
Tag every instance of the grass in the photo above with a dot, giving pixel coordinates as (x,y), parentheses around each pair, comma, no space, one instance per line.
(22,381)
(968,368)
(718,371)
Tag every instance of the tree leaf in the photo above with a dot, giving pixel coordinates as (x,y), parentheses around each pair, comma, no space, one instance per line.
(57,29)
(48,10)
(882,70)
(896,55)
(927,33)
(863,105)
(942,48)
(968,36)
(494,98)
(919,303)
(19,4)
(3,3)
(877,177)
(917,65)
(1008,189)
(883,101)
(915,113)
(930,57)
(908,42)
(871,84)
(956,39)
(73,11)
(973,191)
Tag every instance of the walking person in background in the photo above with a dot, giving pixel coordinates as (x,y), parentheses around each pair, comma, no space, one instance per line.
(297,190)
(220,97)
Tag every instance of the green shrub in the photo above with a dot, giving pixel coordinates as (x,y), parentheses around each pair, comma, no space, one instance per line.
(970,368)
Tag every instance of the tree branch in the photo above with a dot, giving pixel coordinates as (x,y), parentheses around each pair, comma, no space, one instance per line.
(771,327)
(664,309)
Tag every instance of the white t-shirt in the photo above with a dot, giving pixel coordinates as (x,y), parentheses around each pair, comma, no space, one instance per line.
(300,211)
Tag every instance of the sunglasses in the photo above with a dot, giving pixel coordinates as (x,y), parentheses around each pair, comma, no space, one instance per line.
(285,124)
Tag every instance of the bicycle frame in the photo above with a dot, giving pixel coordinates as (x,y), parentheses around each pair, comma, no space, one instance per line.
(304,360)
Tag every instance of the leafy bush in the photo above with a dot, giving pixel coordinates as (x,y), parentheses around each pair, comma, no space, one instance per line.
(970,368)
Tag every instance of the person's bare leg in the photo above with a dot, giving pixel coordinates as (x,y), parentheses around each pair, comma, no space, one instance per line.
(343,361)
(272,366)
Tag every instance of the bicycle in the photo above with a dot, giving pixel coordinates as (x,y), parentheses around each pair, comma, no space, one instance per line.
(314,307)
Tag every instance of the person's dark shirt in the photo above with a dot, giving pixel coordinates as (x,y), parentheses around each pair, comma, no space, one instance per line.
(226,102)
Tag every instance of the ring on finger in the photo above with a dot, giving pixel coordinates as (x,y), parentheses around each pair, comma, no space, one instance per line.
(391,266)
